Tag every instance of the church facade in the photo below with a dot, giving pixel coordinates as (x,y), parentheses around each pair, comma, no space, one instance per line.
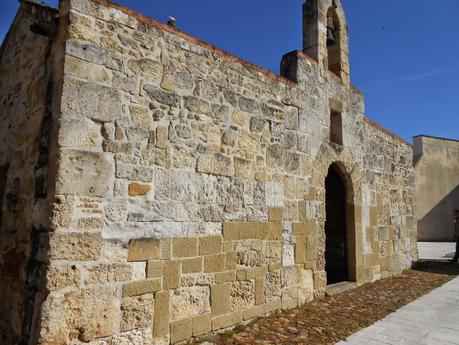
(155,188)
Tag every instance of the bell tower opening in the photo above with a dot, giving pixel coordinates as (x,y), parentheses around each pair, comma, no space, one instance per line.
(333,42)
(336,244)
(325,36)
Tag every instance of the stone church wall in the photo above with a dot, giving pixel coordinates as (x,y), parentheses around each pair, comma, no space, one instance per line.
(25,144)
(190,187)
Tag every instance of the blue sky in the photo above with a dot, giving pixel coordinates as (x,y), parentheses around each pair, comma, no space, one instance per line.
(404,53)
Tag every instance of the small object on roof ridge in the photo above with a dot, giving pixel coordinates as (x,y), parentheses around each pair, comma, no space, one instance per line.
(172,21)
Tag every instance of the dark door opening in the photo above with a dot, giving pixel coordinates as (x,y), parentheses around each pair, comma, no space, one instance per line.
(336,255)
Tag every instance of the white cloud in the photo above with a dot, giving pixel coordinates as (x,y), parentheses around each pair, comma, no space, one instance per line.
(411,78)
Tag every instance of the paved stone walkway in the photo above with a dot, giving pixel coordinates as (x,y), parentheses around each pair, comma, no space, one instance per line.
(438,251)
(430,320)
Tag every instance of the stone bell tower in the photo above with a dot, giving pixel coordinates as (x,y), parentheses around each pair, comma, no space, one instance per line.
(325,36)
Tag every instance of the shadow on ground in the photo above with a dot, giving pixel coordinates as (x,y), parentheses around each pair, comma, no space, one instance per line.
(436,266)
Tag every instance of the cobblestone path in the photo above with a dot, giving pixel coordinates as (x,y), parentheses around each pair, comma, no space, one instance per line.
(335,318)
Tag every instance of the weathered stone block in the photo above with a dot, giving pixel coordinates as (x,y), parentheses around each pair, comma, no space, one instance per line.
(227,320)
(225,277)
(202,324)
(259,291)
(220,299)
(241,274)
(300,250)
(248,230)
(310,265)
(166,249)
(257,124)
(274,267)
(241,119)
(137,312)
(116,146)
(210,245)
(229,137)
(136,336)
(262,230)
(257,272)
(214,263)
(105,273)
(197,105)
(162,314)
(59,277)
(276,214)
(90,223)
(304,229)
(86,70)
(228,246)
(82,27)
(261,310)
(171,275)
(142,287)
(190,301)
(274,155)
(181,330)
(311,248)
(81,133)
(134,172)
(86,51)
(90,313)
(137,134)
(272,252)
(167,84)
(223,165)
(92,100)
(247,104)
(205,163)
(75,246)
(231,260)
(230,231)
(136,189)
(162,136)
(146,68)
(193,265)
(84,173)
(185,247)
(274,231)
(243,168)
(373,216)
(302,211)
(144,249)
(248,145)
(155,269)
(163,97)
(242,294)
(273,286)
(141,116)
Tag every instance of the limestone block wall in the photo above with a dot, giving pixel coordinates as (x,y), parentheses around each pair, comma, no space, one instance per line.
(208,283)
(189,191)
(26,87)
(389,215)
(437,187)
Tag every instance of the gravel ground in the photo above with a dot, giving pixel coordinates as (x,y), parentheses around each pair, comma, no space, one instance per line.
(334,318)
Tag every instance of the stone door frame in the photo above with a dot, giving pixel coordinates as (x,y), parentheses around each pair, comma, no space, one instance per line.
(342,158)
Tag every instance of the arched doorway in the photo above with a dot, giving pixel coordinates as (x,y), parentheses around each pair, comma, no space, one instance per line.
(336,227)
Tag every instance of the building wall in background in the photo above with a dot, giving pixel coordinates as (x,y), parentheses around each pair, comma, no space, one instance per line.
(436,162)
